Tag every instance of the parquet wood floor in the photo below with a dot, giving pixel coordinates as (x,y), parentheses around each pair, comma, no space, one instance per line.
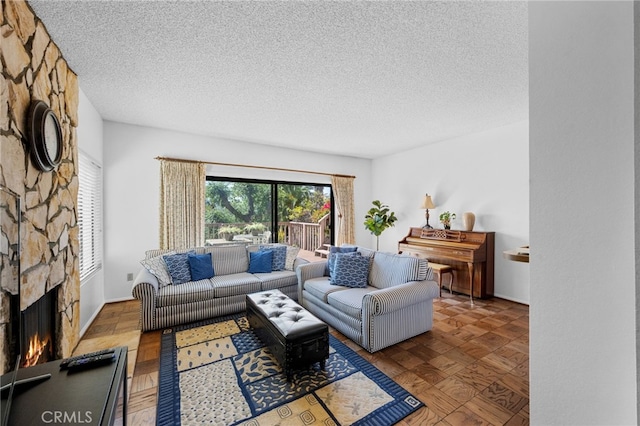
(472,368)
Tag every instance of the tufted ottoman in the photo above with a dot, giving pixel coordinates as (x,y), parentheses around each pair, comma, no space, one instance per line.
(295,337)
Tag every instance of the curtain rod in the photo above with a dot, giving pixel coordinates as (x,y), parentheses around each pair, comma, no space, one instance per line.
(281,169)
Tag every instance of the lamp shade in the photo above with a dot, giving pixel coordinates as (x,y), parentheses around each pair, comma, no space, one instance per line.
(427,202)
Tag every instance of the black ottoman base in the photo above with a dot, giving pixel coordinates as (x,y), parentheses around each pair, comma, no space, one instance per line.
(296,338)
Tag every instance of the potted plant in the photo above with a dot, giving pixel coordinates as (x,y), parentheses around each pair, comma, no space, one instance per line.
(446,219)
(379,218)
(228,232)
(254,228)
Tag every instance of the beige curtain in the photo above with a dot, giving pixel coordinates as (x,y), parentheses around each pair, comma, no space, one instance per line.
(343,197)
(181,204)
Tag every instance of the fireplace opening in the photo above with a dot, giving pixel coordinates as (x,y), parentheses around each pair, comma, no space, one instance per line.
(38,334)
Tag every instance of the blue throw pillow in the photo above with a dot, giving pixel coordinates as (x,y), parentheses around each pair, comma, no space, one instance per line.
(260,261)
(279,256)
(350,271)
(200,266)
(332,257)
(178,266)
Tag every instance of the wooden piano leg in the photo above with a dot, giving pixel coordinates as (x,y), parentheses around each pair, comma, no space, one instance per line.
(470,266)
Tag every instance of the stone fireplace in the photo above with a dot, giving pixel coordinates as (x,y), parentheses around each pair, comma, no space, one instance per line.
(34,69)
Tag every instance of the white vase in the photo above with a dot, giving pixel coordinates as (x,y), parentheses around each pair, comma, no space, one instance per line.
(468,220)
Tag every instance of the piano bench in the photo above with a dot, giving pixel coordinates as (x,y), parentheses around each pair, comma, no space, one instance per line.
(441,269)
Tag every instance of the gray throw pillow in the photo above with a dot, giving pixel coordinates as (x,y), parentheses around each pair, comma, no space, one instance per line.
(158,268)
(292,253)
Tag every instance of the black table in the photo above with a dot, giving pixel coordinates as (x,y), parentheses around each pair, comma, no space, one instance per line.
(95,396)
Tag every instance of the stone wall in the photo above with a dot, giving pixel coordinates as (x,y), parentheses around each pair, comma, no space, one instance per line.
(34,69)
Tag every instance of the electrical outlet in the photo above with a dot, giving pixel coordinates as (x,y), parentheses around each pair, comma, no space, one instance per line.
(130,276)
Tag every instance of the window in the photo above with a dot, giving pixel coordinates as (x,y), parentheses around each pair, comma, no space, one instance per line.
(256,211)
(89,215)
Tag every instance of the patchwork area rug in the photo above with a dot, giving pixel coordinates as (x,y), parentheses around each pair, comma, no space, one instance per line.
(218,372)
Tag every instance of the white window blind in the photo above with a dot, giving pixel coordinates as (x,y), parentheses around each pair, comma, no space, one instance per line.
(89,215)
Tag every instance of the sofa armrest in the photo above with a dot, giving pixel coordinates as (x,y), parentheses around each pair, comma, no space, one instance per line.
(310,270)
(306,272)
(391,299)
(145,277)
(299,261)
(145,289)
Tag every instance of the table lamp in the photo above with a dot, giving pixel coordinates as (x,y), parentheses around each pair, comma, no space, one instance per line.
(427,203)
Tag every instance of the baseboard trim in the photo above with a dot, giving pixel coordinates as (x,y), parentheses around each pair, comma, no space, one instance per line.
(91,319)
(120,299)
(97,311)
(511,299)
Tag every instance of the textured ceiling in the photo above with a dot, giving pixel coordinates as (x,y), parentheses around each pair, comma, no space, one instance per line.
(355,78)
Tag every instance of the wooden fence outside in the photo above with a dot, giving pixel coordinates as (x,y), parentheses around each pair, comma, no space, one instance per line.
(307,236)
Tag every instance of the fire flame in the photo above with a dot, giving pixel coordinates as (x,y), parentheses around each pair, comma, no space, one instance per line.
(37,347)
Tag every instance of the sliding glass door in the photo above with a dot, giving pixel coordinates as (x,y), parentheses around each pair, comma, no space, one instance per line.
(304,213)
(253,211)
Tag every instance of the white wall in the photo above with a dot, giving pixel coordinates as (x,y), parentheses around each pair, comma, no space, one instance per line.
(89,134)
(486,173)
(132,183)
(583,331)
(133,179)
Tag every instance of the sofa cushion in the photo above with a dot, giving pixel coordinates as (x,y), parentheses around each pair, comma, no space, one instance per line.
(349,301)
(160,252)
(235,284)
(367,252)
(229,259)
(350,270)
(191,291)
(279,255)
(277,279)
(389,270)
(261,261)
(157,252)
(320,287)
(332,256)
(292,253)
(158,268)
(178,266)
(200,266)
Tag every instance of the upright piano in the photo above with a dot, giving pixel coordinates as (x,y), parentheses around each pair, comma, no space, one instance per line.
(470,254)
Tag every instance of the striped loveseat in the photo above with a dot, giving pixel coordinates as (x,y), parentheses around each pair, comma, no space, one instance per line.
(395,303)
(164,304)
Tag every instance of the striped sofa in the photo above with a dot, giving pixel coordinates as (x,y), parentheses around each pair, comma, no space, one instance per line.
(167,305)
(396,304)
